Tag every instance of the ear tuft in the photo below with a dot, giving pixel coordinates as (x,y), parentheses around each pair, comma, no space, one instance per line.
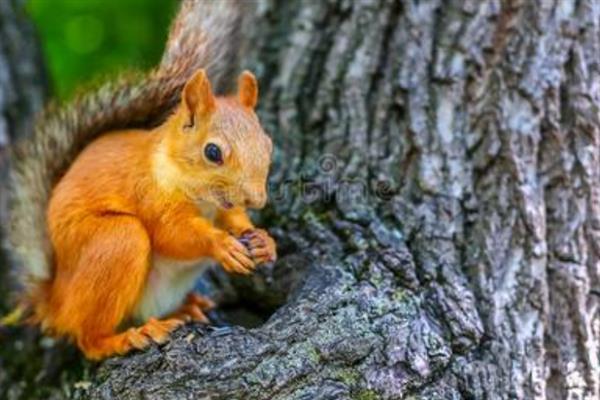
(247,89)
(197,95)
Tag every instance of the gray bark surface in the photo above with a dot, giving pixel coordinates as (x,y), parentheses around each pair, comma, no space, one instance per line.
(444,244)
(27,367)
(22,88)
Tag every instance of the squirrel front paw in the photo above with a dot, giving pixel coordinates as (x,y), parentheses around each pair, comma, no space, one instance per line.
(233,255)
(261,245)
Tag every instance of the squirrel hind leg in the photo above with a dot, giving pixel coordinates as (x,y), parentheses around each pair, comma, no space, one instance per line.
(94,291)
(138,338)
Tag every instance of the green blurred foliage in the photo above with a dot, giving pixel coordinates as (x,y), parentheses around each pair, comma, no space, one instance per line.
(87,40)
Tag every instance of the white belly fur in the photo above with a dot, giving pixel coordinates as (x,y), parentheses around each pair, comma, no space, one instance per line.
(168,283)
(171,280)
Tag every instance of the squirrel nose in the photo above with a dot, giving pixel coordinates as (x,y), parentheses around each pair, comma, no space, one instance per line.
(256,201)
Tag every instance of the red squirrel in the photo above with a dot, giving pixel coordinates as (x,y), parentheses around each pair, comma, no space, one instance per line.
(139,212)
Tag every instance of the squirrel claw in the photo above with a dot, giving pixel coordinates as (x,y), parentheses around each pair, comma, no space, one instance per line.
(191,312)
(203,302)
(244,266)
(262,246)
(154,330)
(234,256)
(194,308)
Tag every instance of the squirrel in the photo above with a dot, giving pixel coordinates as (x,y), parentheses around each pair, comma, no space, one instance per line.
(120,198)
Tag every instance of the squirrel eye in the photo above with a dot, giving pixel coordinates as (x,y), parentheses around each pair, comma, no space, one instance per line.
(213,153)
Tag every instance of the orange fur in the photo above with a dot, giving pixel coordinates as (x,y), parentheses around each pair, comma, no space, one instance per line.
(133,195)
(248,89)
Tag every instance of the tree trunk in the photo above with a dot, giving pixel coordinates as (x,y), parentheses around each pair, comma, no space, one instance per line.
(435,200)
(28,367)
(436,205)
(22,90)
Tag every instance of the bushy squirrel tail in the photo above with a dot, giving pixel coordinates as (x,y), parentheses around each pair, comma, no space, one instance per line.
(205,34)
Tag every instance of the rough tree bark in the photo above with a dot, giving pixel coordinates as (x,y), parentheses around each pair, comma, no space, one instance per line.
(436,204)
(437,209)
(28,367)
(22,85)
(24,364)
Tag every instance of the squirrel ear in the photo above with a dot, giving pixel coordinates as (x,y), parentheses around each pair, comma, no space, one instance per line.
(197,95)
(247,89)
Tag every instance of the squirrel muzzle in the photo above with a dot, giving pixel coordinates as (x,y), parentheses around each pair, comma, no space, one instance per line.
(255,198)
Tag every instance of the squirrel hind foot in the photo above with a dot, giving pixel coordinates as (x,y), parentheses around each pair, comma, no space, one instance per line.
(138,338)
(194,308)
